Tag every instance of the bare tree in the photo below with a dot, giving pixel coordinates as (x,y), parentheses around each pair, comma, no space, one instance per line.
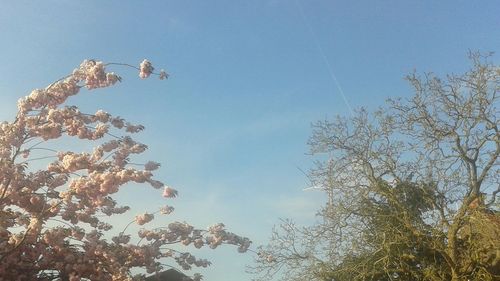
(413,189)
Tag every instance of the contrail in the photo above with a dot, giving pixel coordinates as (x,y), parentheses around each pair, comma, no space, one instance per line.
(325,58)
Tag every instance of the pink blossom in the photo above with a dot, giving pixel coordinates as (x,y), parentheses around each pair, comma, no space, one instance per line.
(117,122)
(112,78)
(146,68)
(165,210)
(102,116)
(151,166)
(121,239)
(198,243)
(163,74)
(169,192)
(133,128)
(144,218)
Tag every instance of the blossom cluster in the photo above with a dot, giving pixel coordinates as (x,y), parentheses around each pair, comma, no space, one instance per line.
(52,219)
(146,68)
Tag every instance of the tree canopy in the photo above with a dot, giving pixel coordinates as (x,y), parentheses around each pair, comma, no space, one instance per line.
(412,187)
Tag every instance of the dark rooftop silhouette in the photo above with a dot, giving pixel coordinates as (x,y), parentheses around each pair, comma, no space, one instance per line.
(168,275)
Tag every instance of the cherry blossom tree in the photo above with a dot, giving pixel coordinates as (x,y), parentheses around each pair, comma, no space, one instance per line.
(55,204)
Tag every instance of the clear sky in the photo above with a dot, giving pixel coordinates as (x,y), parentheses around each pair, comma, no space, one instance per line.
(248,78)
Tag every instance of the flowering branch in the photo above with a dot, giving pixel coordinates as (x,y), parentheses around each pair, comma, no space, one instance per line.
(76,190)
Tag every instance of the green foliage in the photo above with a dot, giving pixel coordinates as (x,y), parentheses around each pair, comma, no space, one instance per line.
(399,244)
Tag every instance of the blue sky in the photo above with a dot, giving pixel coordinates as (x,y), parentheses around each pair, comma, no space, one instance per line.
(247,79)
